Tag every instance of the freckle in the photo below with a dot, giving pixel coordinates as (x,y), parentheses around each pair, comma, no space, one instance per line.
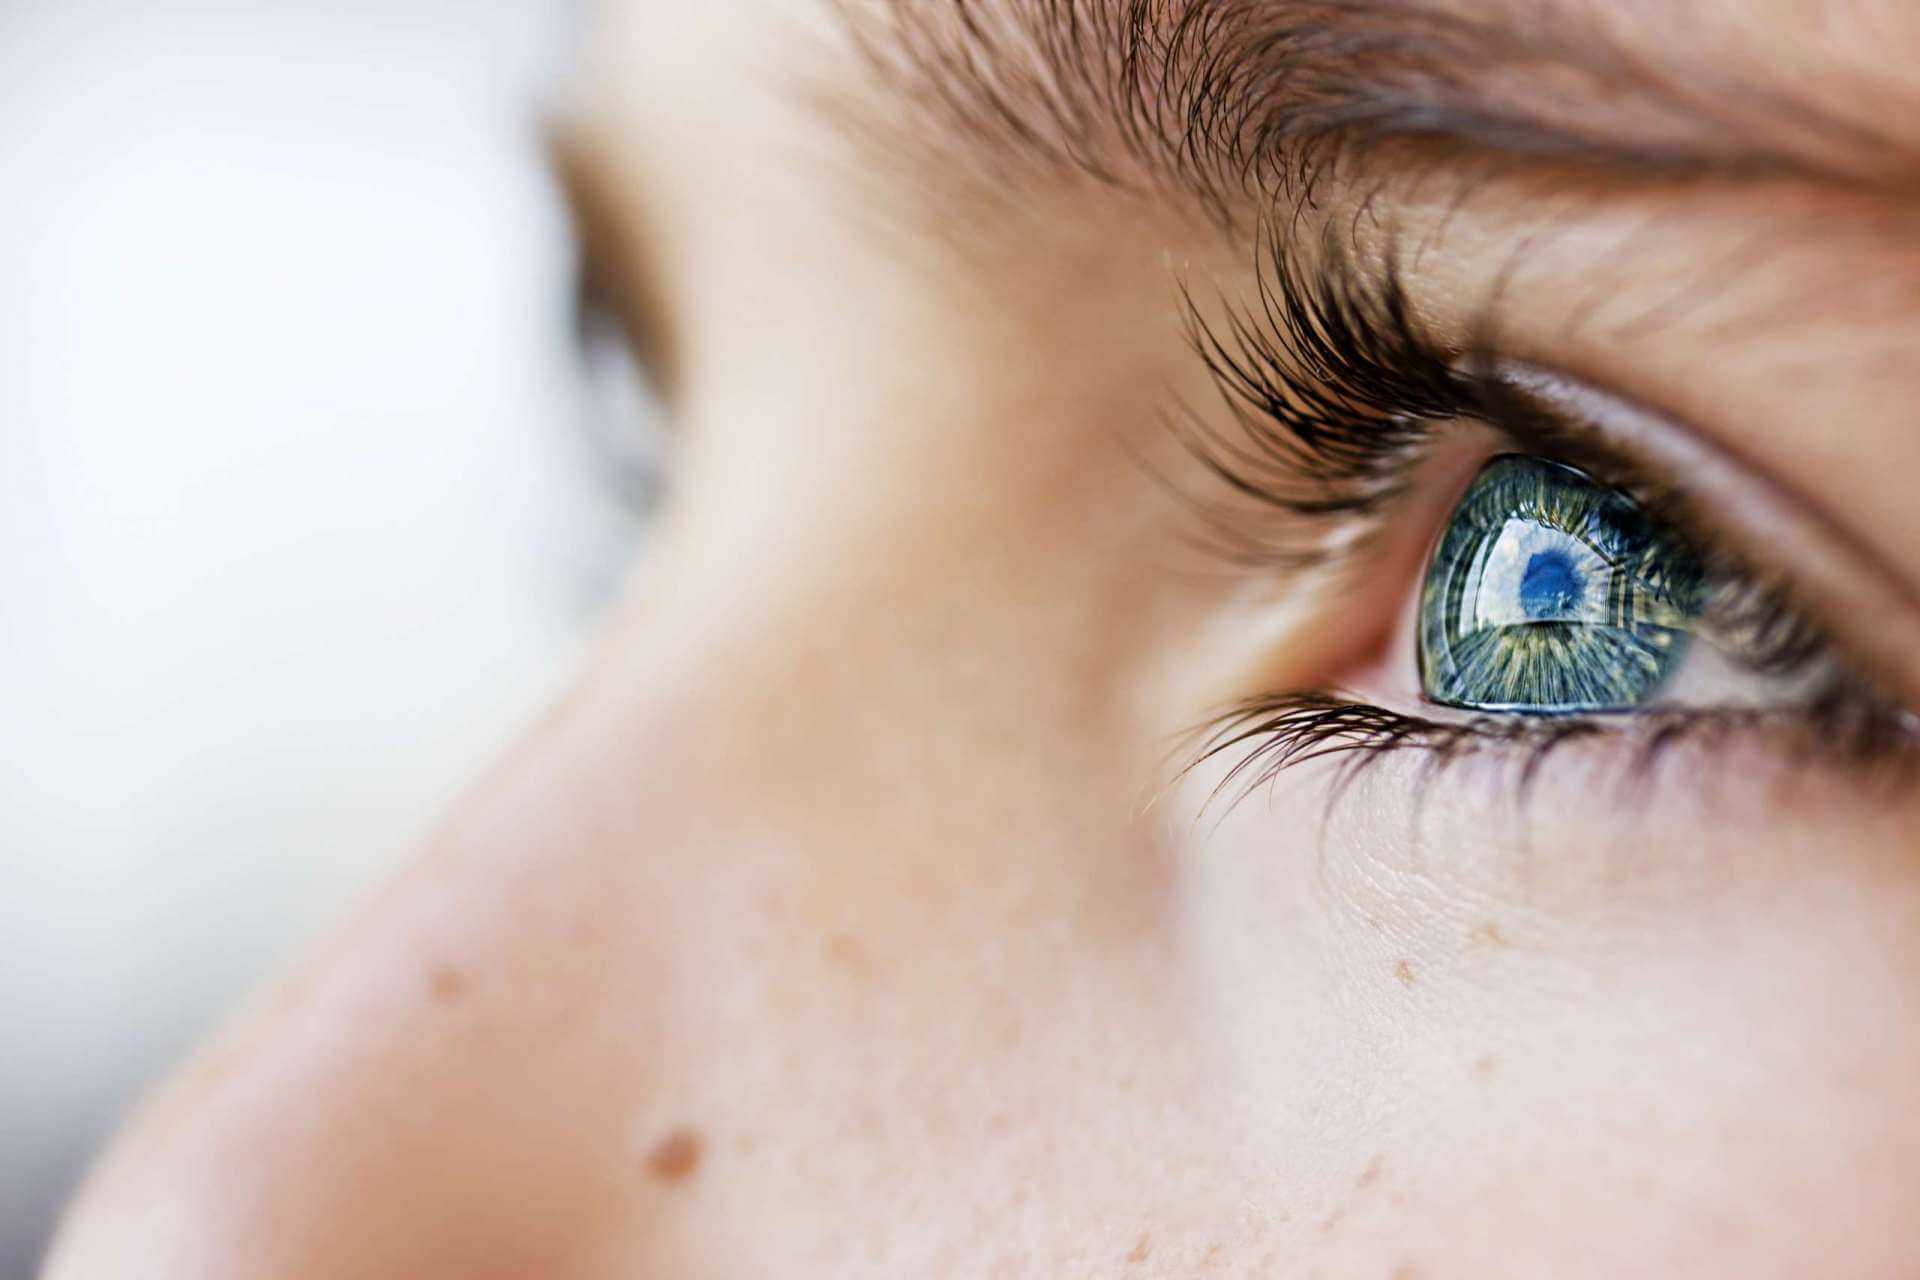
(1483,1069)
(1404,972)
(675,1157)
(1370,1174)
(1487,934)
(844,952)
(447,985)
(1406,1271)
(1142,1250)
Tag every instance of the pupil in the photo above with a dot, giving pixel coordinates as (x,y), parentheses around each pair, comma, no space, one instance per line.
(1551,586)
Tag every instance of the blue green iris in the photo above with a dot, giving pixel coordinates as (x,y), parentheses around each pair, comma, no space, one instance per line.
(1550,593)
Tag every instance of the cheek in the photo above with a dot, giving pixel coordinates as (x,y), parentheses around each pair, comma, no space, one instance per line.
(1686,1038)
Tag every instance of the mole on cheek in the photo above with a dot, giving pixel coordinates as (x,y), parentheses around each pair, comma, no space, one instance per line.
(675,1157)
(447,985)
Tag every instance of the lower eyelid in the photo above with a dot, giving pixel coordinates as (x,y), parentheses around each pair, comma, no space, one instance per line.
(1613,759)
(1350,740)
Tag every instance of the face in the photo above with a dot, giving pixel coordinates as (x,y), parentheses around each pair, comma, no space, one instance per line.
(1279,646)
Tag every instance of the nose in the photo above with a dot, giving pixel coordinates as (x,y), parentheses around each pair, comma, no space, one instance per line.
(460,1083)
(687,931)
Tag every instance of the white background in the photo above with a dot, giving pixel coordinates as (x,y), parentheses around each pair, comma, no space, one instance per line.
(297,522)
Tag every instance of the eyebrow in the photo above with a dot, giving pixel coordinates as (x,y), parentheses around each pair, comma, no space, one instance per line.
(1231,101)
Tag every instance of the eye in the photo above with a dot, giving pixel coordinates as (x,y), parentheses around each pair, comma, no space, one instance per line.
(1549,593)
(1625,603)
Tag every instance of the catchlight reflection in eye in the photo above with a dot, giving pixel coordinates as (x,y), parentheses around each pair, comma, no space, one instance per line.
(1551,594)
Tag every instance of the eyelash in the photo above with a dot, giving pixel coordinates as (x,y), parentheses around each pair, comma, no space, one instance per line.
(1339,399)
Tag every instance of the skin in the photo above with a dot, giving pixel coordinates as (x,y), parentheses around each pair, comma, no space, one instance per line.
(853,915)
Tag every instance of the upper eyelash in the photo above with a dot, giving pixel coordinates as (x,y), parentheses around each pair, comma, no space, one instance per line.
(1338,395)
(1335,391)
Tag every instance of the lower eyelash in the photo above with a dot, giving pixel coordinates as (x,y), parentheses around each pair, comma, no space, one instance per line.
(1275,733)
(1279,732)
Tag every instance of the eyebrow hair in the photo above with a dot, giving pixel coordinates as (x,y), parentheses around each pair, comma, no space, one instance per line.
(1231,101)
